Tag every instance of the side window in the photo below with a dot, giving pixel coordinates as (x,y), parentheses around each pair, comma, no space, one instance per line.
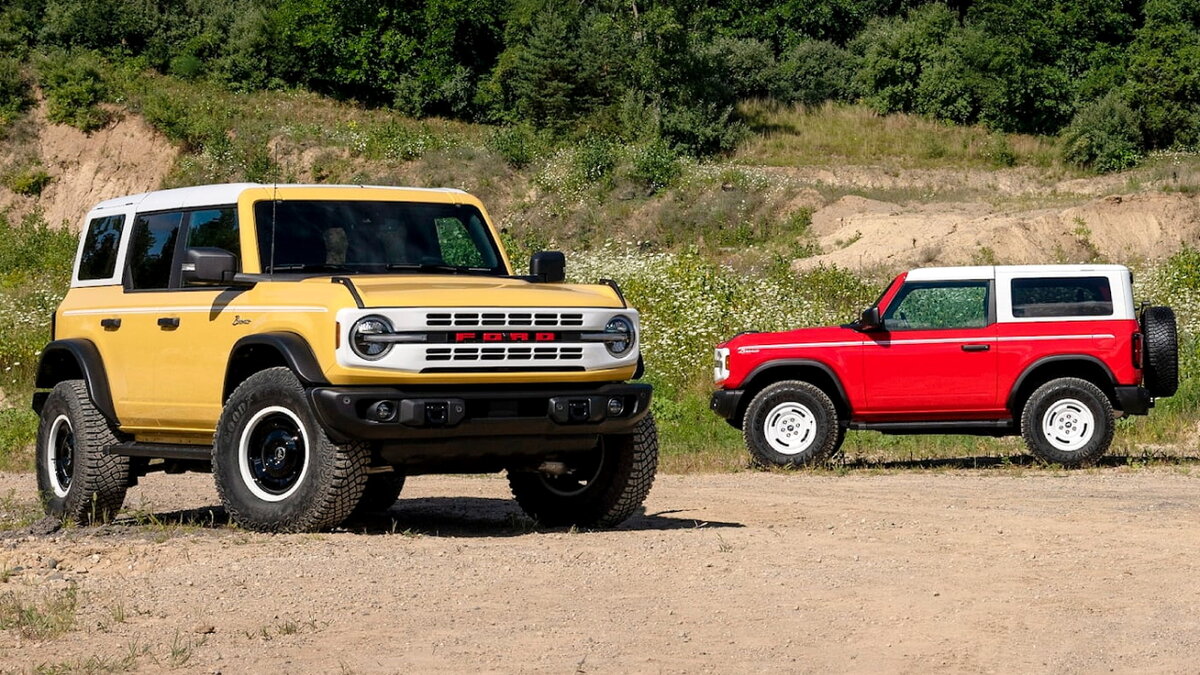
(152,249)
(214,228)
(939,304)
(1078,296)
(455,242)
(99,259)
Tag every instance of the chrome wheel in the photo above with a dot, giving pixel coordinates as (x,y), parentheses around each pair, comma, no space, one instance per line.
(273,455)
(790,428)
(1068,424)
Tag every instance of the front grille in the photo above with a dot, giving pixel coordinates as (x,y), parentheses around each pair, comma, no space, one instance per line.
(502,354)
(504,319)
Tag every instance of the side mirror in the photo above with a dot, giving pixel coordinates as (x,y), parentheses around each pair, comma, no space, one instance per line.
(870,319)
(548,266)
(209,266)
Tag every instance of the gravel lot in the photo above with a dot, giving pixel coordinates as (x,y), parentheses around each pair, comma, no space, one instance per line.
(979,571)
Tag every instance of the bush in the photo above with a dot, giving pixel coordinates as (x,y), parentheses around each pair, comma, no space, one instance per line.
(1104,136)
(655,165)
(15,91)
(815,71)
(28,180)
(517,145)
(74,87)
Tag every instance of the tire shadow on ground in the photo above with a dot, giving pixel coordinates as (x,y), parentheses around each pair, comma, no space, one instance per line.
(1005,461)
(424,516)
(491,517)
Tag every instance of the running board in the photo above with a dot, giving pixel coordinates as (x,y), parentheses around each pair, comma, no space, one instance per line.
(966,427)
(199,453)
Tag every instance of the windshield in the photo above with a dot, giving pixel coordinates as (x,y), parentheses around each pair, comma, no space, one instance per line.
(373,237)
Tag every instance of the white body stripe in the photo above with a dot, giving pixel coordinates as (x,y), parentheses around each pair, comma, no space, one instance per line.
(200,308)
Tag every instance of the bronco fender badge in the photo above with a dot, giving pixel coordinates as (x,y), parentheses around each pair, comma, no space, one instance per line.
(239,321)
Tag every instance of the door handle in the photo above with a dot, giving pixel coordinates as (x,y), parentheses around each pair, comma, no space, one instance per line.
(110,323)
(168,322)
(976,348)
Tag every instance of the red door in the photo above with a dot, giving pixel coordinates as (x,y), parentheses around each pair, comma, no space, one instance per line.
(935,354)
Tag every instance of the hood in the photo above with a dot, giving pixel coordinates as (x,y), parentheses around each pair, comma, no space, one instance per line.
(445,290)
(796,339)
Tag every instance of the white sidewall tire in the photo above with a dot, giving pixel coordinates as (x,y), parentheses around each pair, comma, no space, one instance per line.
(244,455)
(60,423)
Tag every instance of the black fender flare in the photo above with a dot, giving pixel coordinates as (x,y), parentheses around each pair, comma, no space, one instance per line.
(70,358)
(1020,381)
(296,352)
(803,363)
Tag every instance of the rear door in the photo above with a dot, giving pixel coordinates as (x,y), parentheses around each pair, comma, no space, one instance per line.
(936,354)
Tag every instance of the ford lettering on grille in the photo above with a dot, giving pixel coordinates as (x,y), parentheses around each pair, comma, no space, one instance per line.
(505,336)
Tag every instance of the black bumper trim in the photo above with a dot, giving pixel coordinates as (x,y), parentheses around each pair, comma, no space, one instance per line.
(489,413)
(1134,400)
(725,403)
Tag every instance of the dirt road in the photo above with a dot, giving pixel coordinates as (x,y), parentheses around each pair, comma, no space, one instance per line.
(909,572)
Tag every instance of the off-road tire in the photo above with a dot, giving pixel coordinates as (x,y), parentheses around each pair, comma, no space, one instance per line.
(791,412)
(1059,404)
(326,490)
(1161,373)
(379,493)
(627,464)
(95,482)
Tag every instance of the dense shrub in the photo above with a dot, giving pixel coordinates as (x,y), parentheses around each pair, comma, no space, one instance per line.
(74,89)
(1104,136)
(15,91)
(815,71)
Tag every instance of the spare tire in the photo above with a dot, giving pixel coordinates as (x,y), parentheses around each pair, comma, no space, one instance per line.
(1161,351)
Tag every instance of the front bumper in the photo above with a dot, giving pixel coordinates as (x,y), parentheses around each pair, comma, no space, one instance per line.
(1134,400)
(441,414)
(726,402)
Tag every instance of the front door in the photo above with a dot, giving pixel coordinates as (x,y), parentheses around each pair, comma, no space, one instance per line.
(936,354)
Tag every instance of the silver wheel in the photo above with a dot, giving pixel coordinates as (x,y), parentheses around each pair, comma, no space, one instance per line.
(790,428)
(60,455)
(1068,425)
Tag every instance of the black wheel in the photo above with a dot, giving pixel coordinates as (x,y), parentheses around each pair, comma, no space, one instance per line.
(379,493)
(600,488)
(791,423)
(1068,421)
(77,480)
(275,469)
(1161,373)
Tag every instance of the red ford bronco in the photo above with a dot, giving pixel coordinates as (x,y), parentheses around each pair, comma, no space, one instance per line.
(1050,352)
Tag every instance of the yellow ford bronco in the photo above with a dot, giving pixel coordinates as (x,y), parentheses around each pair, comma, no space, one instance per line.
(313,345)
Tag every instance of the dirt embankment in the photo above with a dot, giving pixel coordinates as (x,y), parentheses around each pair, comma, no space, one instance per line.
(126,157)
(955,571)
(861,233)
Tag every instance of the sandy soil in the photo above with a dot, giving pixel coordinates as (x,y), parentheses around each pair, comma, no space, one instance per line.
(903,572)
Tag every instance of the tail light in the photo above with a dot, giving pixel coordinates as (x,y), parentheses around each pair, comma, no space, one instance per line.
(1139,350)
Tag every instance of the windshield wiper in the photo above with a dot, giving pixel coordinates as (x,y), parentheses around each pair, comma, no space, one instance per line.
(311,267)
(435,267)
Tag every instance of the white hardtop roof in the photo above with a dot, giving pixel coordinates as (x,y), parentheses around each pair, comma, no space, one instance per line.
(226,193)
(991,271)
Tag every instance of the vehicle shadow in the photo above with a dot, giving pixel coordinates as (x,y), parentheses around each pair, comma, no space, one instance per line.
(431,516)
(1006,461)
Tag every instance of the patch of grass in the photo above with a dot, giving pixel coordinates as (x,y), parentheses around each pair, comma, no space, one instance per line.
(42,619)
(834,134)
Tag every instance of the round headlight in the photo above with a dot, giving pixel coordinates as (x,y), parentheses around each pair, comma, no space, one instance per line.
(361,332)
(623,327)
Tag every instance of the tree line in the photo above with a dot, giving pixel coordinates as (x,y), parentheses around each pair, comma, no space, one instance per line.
(1114,78)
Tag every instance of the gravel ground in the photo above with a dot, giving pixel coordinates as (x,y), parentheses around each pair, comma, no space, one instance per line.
(911,572)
